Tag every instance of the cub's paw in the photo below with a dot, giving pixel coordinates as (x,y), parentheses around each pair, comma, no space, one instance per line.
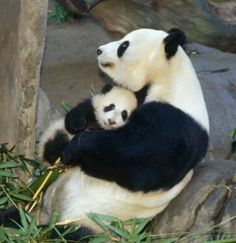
(75,123)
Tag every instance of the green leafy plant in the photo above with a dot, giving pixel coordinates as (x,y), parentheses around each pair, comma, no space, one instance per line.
(115,230)
(12,188)
(59,14)
(233,134)
(29,231)
(66,106)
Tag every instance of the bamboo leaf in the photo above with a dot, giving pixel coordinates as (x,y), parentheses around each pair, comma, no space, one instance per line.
(142,225)
(3,200)
(23,218)
(22,197)
(9,164)
(4,173)
(122,233)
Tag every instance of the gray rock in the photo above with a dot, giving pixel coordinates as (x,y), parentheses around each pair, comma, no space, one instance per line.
(22,28)
(46,114)
(229,212)
(209,199)
(217,73)
(203,21)
(69,69)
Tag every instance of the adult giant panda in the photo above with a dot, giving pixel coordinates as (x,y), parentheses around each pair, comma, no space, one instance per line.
(135,170)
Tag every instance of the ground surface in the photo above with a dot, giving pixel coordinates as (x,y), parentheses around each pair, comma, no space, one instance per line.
(69,68)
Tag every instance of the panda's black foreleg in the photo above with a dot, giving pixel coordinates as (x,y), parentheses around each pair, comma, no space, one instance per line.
(79,117)
(53,148)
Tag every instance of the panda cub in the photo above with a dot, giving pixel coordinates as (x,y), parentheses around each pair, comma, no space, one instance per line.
(110,110)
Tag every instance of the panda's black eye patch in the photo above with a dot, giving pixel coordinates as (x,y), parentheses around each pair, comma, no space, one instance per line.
(109,108)
(122,48)
(124,115)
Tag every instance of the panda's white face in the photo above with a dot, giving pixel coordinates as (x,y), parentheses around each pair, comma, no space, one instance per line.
(130,61)
(113,108)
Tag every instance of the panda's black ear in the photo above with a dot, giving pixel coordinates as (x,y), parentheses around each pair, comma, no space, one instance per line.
(106,88)
(175,38)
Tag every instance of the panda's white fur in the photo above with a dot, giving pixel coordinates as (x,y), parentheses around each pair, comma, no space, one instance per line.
(76,194)
(171,80)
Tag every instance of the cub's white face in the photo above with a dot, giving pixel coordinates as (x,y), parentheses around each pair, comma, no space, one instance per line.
(133,60)
(113,108)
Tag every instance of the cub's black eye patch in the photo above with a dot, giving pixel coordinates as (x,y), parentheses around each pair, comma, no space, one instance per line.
(109,108)
(124,115)
(122,48)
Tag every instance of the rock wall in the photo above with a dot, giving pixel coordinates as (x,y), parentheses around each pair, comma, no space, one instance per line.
(209,22)
(22,28)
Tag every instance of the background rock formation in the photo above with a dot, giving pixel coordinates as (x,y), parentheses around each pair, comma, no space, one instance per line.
(22,28)
(209,22)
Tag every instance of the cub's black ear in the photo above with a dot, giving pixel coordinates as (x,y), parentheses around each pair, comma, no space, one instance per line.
(175,38)
(106,88)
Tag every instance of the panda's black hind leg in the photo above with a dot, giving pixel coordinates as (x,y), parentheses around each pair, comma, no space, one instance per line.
(9,216)
(53,148)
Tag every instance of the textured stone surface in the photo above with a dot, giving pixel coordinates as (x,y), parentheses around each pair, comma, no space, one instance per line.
(8,65)
(209,199)
(69,68)
(46,113)
(210,22)
(217,73)
(21,44)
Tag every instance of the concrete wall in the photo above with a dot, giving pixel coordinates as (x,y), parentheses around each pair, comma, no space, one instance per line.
(22,37)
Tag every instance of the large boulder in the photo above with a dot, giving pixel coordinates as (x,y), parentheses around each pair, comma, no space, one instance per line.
(208,200)
(217,73)
(210,22)
(69,69)
(23,30)
(46,114)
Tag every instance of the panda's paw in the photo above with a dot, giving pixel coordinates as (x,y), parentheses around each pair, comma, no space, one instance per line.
(70,155)
(75,123)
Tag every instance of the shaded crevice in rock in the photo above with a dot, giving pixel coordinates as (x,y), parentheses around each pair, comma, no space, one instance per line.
(223,70)
(205,221)
(219,214)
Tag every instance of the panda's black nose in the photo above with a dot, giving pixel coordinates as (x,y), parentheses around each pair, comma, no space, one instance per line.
(111,122)
(99,52)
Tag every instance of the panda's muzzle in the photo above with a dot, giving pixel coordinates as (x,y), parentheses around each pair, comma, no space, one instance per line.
(107,64)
